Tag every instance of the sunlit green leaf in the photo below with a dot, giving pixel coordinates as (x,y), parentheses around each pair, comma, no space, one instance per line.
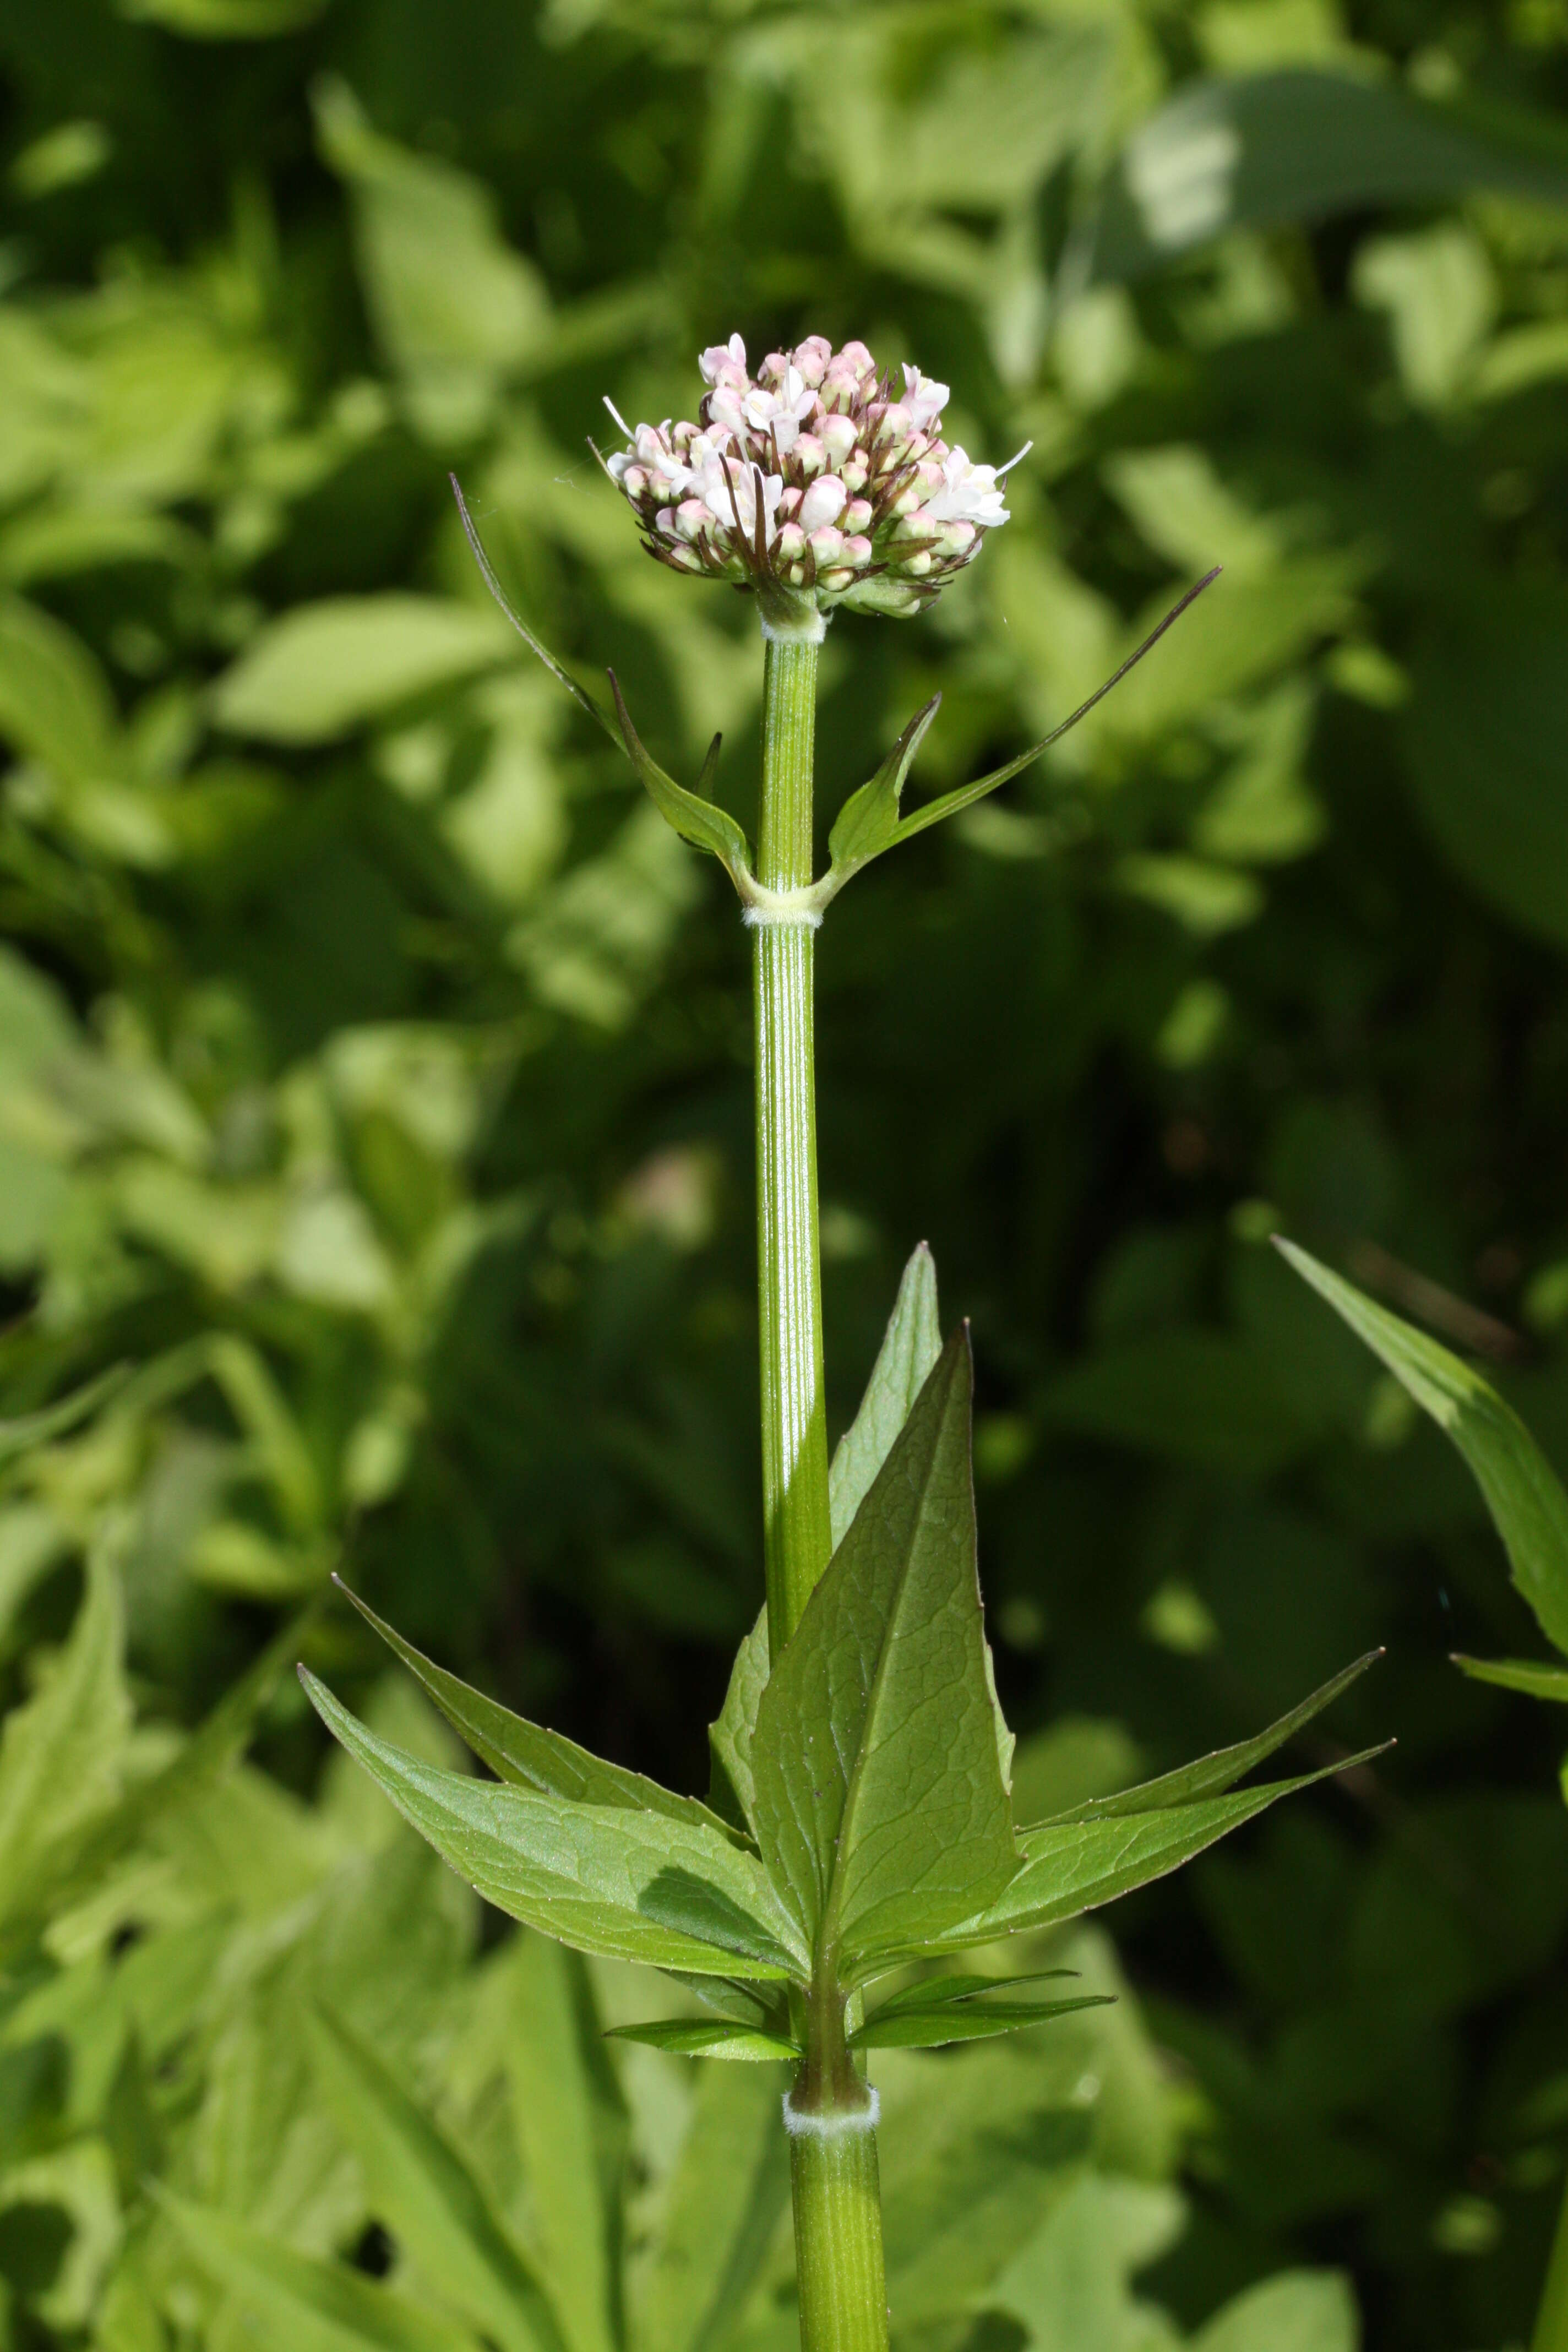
(631,1885)
(426,2195)
(313,2305)
(321,670)
(879,1802)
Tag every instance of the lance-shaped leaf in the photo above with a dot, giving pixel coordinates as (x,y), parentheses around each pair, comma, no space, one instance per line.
(310,2305)
(695,818)
(879,1807)
(1210,1776)
(905,1361)
(910,1346)
(1522,1492)
(938,2027)
(425,2194)
(521,1752)
(628,1885)
(700,821)
(731,1790)
(708,2037)
(1073,1866)
(870,821)
(1518,1675)
(946,1992)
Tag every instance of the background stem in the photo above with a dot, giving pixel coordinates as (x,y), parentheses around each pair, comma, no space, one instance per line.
(796,1529)
(838,2241)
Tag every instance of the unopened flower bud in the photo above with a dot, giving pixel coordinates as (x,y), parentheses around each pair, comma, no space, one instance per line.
(691,518)
(857,550)
(790,545)
(855,473)
(810,454)
(789,503)
(856,516)
(827,545)
(824,502)
(839,436)
(856,356)
(811,357)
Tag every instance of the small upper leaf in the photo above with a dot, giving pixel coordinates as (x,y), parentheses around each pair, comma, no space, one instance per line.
(905,1361)
(1529,1508)
(869,821)
(879,1804)
(708,2037)
(700,821)
(938,2027)
(629,1885)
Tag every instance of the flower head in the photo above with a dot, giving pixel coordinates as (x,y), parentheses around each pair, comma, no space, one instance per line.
(815,483)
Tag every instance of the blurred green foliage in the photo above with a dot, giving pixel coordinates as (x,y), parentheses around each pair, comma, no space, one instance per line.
(374,1066)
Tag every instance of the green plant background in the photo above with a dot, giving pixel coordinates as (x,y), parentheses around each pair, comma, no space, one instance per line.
(374,1083)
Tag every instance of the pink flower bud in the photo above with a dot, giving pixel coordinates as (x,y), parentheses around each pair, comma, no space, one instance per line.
(839,436)
(789,504)
(634,481)
(811,357)
(856,516)
(828,545)
(824,502)
(838,578)
(857,550)
(856,358)
(690,519)
(896,426)
(772,368)
(790,545)
(856,474)
(810,453)
(956,538)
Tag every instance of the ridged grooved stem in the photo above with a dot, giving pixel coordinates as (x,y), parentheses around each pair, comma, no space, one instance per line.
(838,2241)
(797,1537)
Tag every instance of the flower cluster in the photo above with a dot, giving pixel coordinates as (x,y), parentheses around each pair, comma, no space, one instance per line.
(815,483)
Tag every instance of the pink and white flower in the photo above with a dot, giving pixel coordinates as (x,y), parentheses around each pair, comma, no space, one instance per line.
(812,482)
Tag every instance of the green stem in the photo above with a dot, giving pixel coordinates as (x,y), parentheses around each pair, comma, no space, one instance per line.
(797,1537)
(838,2239)
(833,2144)
(1551,2320)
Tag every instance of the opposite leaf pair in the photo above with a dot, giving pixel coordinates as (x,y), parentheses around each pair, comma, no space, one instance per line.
(861,1817)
